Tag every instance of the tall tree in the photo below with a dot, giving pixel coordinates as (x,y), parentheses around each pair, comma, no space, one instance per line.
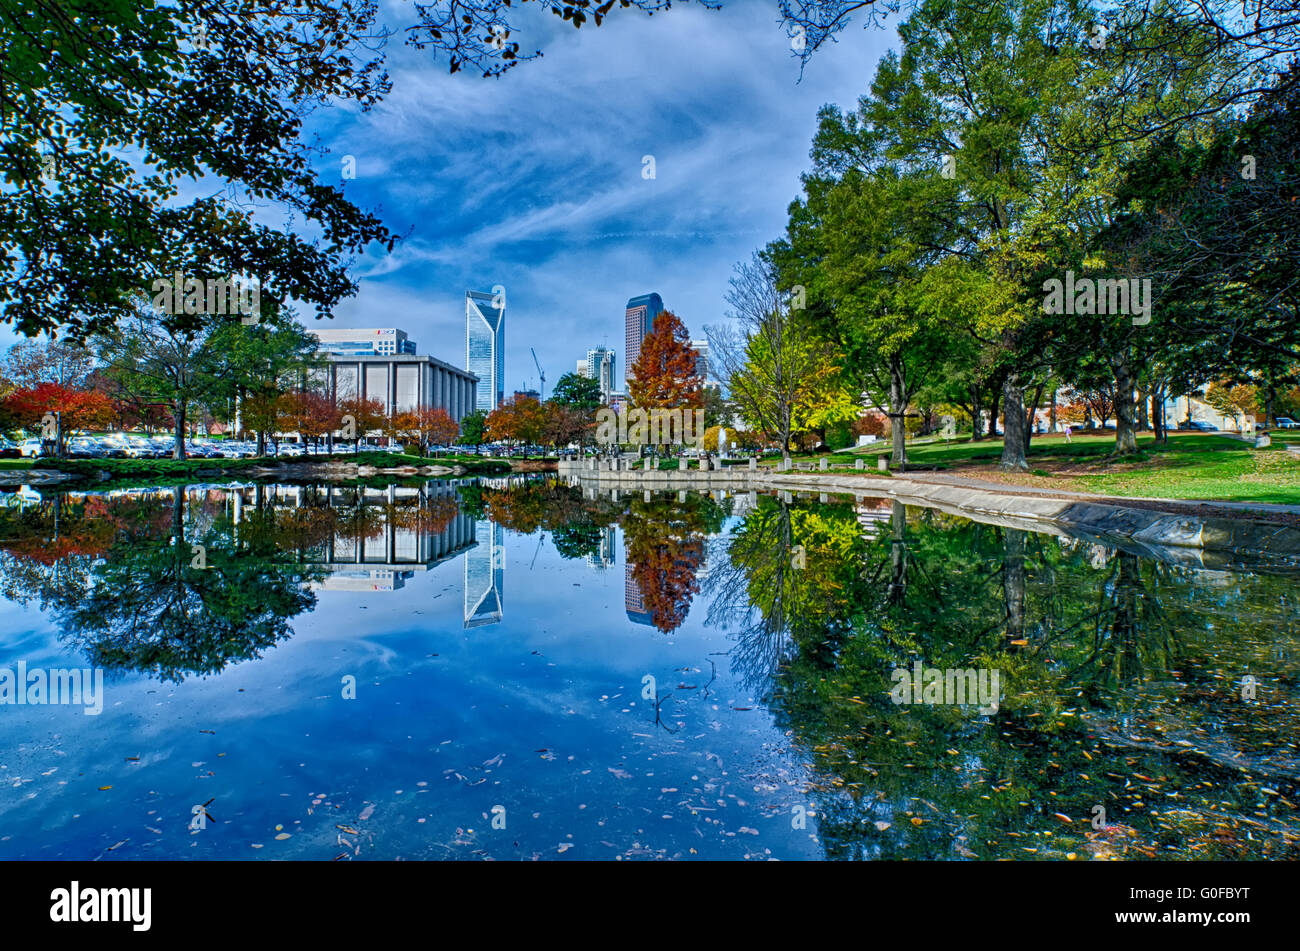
(782,379)
(664,376)
(157,358)
(255,363)
(473,428)
(578,391)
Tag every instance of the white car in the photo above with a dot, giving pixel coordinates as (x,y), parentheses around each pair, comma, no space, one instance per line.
(30,448)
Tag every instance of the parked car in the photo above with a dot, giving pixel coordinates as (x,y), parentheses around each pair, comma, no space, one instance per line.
(141,447)
(110,445)
(1200,427)
(30,448)
(9,449)
(1286,422)
(85,447)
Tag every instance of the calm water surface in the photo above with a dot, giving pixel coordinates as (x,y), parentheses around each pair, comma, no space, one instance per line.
(515,669)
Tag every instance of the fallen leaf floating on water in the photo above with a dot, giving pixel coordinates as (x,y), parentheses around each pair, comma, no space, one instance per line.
(102,788)
(367,812)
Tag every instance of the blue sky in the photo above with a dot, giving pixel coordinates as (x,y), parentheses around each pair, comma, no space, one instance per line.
(534,181)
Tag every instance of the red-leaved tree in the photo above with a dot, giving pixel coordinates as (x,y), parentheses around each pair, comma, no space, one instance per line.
(59,410)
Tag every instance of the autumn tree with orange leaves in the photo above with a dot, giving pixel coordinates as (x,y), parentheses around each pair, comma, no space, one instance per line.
(361,416)
(664,375)
(518,420)
(310,415)
(428,425)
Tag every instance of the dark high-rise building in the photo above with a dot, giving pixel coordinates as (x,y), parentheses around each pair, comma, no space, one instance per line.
(639,321)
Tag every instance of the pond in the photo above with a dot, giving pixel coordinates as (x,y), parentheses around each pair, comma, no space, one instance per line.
(531,669)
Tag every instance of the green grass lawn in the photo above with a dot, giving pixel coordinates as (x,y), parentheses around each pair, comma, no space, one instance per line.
(16,463)
(1189,466)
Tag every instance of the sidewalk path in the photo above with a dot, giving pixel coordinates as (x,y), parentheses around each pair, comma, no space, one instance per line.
(944,478)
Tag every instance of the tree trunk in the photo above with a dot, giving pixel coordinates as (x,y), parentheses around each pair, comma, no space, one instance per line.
(1051,419)
(1143,419)
(1031,413)
(1159,418)
(1013,443)
(1125,435)
(993,412)
(897,413)
(1013,580)
(178,423)
(898,554)
(975,434)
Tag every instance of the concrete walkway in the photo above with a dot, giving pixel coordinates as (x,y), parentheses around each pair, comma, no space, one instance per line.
(1166,524)
(949,479)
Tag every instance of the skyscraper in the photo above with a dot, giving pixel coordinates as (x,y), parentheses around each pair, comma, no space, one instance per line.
(701,348)
(599,366)
(485,575)
(639,321)
(485,347)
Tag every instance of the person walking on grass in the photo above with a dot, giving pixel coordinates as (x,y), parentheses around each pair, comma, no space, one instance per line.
(1067,434)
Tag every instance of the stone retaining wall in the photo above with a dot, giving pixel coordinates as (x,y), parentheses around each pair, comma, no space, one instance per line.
(1146,527)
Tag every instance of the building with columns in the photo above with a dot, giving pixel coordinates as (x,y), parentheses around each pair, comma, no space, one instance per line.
(401,381)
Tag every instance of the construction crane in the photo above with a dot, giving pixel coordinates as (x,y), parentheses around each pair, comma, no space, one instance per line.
(541,375)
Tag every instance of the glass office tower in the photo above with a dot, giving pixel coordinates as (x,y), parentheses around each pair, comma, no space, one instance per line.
(485,575)
(639,321)
(485,347)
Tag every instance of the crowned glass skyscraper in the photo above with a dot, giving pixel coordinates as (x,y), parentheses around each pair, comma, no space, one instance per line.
(485,575)
(485,346)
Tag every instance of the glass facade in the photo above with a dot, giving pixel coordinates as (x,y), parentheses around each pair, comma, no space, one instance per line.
(485,347)
(485,576)
(383,341)
(639,320)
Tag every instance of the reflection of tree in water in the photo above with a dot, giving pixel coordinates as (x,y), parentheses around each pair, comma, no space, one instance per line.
(576,523)
(139,605)
(1126,636)
(789,572)
(150,609)
(665,540)
(1073,639)
(50,547)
